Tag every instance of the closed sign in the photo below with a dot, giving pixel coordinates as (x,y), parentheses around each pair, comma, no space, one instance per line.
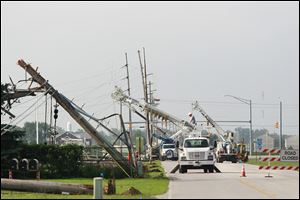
(289,155)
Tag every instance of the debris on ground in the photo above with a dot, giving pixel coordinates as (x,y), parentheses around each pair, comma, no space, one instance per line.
(132,191)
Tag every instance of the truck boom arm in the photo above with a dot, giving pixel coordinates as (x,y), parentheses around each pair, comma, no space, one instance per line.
(119,95)
(219,130)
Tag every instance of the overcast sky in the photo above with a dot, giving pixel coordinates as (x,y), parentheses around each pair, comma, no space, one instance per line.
(195,50)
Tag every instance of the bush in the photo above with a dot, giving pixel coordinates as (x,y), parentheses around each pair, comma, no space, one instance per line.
(89,171)
(57,161)
(60,162)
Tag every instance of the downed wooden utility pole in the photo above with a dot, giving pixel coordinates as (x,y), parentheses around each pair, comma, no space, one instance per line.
(65,103)
(44,187)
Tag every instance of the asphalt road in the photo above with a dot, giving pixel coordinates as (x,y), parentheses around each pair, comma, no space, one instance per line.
(199,185)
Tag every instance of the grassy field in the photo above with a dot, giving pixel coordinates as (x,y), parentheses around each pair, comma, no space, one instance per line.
(275,163)
(153,184)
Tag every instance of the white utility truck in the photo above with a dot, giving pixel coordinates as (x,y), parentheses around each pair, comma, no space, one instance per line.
(196,154)
(168,151)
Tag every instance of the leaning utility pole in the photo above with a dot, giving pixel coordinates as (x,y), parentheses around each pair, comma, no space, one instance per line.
(128,84)
(151,102)
(45,128)
(147,101)
(76,114)
(36,121)
(144,78)
(129,111)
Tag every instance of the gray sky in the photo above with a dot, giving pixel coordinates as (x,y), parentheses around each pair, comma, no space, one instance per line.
(196,51)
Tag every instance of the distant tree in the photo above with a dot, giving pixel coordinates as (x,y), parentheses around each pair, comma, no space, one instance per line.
(2,93)
(10,137)
(276,139)
(11,141)
(30,132)
(242,134)
(138,133)
(259,132)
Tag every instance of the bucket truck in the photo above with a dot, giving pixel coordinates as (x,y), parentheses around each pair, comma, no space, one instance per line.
(167,149)
(193,150)
(226,147)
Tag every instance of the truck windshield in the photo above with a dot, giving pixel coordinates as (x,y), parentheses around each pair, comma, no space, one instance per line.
(169,146)
(195,143)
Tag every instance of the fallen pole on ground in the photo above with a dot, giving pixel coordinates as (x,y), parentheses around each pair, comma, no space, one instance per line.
(44,187)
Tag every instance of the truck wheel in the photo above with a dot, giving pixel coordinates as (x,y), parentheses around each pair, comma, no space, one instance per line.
(205,170)
(182,170)
(185,170)
(170,154)
(211,169)
(160,158)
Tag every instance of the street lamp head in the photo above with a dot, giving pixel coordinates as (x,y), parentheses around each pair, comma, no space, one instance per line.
(246,101)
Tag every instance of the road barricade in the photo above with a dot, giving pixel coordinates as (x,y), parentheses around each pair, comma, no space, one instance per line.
(270,159)
(278,167)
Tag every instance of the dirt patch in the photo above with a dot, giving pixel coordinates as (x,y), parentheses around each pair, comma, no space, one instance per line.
(132,191)
(91,187)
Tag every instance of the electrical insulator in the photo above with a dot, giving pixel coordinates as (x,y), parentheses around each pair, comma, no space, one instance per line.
(55,113)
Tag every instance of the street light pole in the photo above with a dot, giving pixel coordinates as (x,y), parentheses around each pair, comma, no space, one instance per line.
(251,139)
(281,138)
(249,102)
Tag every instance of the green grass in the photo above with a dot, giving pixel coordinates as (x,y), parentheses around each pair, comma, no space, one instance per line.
(5,194)
(274,163)
(153,184)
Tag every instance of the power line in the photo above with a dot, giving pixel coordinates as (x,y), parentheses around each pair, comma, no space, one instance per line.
(221,102)
(3,130)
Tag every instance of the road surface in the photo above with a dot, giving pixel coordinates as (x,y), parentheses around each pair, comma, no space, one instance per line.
(199,185)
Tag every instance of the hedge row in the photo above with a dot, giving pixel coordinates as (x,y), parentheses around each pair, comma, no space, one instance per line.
(59,162)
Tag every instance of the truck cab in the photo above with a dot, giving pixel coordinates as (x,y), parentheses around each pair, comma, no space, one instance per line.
(196,154)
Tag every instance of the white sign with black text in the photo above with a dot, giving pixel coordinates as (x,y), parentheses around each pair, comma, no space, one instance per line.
(289,155)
